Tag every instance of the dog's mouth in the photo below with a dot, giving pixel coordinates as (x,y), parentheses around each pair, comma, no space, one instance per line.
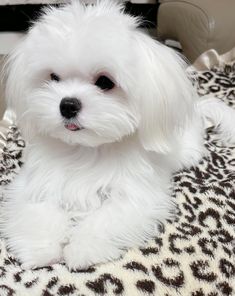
(73,127)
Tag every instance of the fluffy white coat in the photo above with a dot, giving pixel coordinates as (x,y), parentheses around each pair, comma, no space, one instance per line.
(85,196)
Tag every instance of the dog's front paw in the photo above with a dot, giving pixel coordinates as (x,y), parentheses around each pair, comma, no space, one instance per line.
(83,254)
(38,255)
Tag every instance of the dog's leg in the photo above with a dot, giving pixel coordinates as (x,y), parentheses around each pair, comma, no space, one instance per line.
(191,146)
(126,219)
(35,232)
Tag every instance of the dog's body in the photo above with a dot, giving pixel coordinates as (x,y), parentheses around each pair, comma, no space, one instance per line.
(97,182)
(112,199)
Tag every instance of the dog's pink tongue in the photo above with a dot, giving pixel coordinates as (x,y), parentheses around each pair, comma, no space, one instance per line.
(72,127)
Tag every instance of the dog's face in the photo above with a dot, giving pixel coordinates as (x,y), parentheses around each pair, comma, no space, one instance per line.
(87,76)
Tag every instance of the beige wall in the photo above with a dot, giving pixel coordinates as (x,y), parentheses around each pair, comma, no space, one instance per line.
(2,103)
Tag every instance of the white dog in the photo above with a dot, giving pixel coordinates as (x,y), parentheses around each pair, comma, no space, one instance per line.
(108,114)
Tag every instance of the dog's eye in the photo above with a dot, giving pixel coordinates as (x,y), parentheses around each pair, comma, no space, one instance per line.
(104,83)
(54,77)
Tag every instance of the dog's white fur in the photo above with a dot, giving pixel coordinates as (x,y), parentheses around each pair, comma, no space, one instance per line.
(85,196)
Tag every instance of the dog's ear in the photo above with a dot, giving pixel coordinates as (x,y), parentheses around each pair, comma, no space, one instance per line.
(14,72)
(16,80)
(165,94)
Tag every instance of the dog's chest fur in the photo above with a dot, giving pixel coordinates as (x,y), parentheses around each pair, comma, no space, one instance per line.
(80,178)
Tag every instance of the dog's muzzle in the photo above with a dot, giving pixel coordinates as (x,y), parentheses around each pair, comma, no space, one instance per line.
(69,108)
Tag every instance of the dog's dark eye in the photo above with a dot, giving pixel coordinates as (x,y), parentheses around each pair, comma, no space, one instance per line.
(104,83)
(54,77)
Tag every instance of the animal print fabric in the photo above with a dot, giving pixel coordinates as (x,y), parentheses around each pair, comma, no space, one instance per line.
(193,255)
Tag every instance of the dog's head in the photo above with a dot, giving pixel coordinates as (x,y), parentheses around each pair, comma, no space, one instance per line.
(87,75)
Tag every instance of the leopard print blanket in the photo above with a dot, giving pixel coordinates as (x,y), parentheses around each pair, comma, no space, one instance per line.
(191,256)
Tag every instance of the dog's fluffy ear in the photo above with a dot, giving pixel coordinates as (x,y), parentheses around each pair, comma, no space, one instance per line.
(14,72)
(17,77)
(165,94)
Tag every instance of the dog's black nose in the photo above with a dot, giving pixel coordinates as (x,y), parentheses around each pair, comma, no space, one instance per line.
(69,107)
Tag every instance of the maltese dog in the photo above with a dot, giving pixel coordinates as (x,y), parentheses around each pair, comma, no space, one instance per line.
(108,115)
